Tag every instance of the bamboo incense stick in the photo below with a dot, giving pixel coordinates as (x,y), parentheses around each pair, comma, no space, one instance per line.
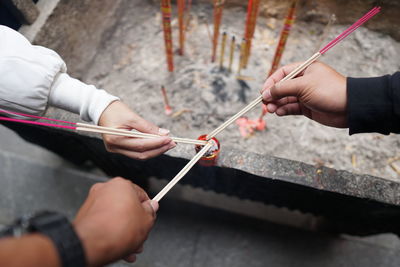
(251,21)
(94,128)
(113,131)
(241,56)
(218,8)
(181,23)
(287,26)
(167,107)
(166,13)
(299,69)
(231,53)
(280,48)
(183,172)
(222,56)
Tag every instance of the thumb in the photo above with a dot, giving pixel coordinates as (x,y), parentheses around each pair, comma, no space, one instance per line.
(151,207)
(287,88)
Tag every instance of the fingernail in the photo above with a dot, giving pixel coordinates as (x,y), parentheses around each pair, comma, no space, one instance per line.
(154,205)
(267,95)
(172,145)
(162,131)
(167,141)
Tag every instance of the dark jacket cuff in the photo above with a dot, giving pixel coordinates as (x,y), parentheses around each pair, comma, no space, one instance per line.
(374,104)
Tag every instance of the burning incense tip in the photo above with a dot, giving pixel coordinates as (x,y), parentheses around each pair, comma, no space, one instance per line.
(167,107)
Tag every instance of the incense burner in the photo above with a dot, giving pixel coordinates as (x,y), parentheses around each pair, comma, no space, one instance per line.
(211,157)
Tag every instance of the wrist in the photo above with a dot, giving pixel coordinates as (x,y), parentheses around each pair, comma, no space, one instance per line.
(94,246)
(32,250)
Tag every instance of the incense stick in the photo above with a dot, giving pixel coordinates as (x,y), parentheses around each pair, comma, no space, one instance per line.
(287,26)
(231,53)
(181,23)
(218,8)
(33,116)
(183,172)
(166,13)
(241,56)
(251,21)
(120,132)
(167,107)
(221,58)
(280,48)
(98,129)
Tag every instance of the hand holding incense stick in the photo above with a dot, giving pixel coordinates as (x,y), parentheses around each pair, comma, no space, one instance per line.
(299,69)
(321,95)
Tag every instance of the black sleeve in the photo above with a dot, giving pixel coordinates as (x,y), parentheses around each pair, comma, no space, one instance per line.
(374,104)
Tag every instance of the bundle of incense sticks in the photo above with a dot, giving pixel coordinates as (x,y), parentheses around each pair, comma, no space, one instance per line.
(287,26)
(181,23)
(218,8)
(299,69)
(251,21)
(166,14)
(89,127)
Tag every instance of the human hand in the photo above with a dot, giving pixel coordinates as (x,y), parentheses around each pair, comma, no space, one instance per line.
(319,93)
(114,221)
(118,115)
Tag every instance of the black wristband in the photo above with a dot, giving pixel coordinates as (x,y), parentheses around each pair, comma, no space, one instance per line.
(63,235)
(60,231)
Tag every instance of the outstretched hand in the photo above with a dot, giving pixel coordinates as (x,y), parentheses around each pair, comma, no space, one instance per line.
(318,93)
(114,221)
(118,115)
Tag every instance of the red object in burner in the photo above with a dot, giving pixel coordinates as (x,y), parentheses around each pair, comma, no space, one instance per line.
(210,158)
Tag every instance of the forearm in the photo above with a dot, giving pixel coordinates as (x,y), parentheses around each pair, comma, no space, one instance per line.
(374,104)
(29,250)
(35,77)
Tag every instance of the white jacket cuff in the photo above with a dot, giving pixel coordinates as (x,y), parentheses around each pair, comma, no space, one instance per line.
(75,96)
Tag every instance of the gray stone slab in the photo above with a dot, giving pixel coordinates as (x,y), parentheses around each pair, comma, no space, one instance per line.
(27,186)
(188,234)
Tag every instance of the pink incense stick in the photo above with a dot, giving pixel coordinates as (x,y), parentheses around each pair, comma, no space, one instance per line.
(351,29)
(37,123)
(33,116)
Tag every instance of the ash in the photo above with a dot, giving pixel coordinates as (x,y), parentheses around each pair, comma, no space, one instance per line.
(213,148)
(131,64)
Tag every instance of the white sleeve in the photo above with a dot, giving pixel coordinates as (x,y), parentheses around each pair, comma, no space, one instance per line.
(32,77)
